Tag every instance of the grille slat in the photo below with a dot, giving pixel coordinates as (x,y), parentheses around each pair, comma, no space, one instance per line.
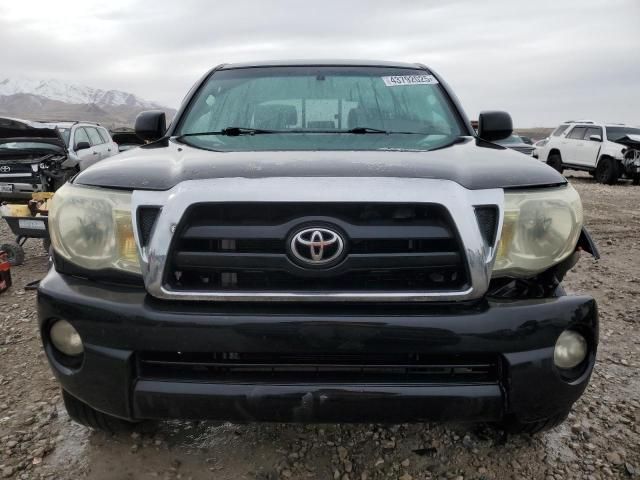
(357,232)
(268,261)
(381,368)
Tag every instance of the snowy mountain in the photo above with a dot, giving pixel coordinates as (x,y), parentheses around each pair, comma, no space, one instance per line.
(55,99)
(72,93)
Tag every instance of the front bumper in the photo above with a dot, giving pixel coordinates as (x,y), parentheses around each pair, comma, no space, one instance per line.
(19,191)
(121,324)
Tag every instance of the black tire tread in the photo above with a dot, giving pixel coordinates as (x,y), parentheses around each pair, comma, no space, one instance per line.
(92,418)
(612,177)
(516,427)
(555,161)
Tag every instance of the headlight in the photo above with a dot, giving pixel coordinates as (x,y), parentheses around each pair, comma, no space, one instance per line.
(540,229)
(92,228)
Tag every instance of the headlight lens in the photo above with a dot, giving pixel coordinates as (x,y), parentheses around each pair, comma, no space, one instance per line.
(540,229)
(92,228)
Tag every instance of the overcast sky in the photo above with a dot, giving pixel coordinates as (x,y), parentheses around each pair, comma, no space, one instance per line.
(543,61)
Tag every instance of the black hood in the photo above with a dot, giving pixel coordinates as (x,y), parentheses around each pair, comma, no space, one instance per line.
(471,163)
(14,130)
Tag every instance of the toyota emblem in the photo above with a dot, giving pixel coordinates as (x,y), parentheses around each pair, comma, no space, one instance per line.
(5,169)
(317,246)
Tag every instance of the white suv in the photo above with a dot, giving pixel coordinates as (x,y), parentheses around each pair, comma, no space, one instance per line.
(86,142)
(607,151)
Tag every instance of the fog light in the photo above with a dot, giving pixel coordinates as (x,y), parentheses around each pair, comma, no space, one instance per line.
(570,351)
(66,338)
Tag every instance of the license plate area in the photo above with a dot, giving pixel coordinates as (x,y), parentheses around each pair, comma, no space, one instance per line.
(28,224)
(6,188)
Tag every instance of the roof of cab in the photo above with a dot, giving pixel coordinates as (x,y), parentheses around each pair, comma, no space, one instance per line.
(327,62)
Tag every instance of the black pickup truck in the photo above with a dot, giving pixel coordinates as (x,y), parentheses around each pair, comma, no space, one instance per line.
(318,242)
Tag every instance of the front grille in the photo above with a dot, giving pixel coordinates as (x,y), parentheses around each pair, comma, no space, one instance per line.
(17,171)
(316,368)
(244,247)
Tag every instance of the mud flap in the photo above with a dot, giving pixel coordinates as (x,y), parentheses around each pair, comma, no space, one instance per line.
(586,244)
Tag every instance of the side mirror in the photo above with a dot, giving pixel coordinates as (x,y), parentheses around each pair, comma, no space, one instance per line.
(494,125)
(151,125)
(82,146)
(595,138)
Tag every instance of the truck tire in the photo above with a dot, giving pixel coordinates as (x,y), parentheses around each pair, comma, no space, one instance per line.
(636,179)
(15,253)
(607,171)
(92,418)
(513,426)
(555,161)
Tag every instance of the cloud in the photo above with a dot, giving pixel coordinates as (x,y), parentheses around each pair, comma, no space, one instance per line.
(543,61)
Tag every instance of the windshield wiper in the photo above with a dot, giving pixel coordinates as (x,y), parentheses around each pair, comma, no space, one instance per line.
(365,130)
(237,131)
(232,132)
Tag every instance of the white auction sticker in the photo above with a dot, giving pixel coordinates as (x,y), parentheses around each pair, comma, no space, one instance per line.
(400,80)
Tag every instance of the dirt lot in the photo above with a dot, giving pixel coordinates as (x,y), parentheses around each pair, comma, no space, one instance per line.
(601,439)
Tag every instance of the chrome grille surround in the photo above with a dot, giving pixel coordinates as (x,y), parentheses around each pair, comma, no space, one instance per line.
(458,200)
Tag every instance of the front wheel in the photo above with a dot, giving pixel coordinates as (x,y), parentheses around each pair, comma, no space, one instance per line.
(636,179)
(607,171)
(555,161)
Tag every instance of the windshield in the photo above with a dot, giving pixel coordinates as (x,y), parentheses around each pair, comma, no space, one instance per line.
(616,133)
(65,133)
(313,108)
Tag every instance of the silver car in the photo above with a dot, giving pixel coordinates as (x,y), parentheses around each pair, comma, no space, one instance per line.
(87,143)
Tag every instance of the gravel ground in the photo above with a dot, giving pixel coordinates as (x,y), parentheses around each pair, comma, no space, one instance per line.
(601,438)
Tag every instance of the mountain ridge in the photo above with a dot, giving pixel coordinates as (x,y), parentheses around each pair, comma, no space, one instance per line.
(57,100)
